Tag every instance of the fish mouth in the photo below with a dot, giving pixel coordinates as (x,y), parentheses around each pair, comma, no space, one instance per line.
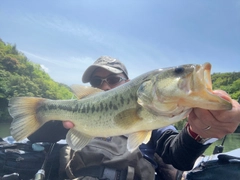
(203,76)
(200,92)
(199,79)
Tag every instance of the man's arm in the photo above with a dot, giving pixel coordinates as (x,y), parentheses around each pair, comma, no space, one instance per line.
(178,149)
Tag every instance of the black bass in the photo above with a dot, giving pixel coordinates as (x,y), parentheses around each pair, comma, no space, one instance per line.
(150,101)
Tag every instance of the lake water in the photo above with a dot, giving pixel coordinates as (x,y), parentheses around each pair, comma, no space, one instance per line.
(4,129)
(231,142)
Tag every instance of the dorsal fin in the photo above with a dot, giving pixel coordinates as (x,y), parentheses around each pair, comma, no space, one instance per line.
(83,91)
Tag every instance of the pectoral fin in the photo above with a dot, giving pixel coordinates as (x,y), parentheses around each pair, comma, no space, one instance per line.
(127,118)
(76,140)
(136,139)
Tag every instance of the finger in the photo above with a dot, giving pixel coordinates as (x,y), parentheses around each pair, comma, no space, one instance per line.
(68,124)
(228,115)
(203,123)
(194,120)
(222,94)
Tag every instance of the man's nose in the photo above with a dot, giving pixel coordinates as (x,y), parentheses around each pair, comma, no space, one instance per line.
(105,86)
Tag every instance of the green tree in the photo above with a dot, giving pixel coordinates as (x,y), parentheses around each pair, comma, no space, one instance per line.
(21,77)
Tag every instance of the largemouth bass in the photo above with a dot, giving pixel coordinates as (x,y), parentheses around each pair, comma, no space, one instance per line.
(150,101)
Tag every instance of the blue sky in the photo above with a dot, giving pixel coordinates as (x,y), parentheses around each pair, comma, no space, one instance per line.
(65,37)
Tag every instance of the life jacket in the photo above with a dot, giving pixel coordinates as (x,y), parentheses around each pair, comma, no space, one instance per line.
(105,158)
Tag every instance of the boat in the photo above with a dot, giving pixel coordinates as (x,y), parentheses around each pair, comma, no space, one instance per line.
(39,161)
(25,160)
(219,166)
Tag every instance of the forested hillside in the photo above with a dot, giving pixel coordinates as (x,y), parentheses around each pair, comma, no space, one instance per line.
(229,82)
(21,77)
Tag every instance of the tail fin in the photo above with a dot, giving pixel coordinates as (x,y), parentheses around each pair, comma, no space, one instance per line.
(23,112)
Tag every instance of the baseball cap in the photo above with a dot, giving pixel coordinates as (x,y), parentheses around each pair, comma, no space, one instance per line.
(106,62)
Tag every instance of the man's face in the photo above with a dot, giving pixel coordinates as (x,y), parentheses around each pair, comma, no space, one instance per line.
(101,73)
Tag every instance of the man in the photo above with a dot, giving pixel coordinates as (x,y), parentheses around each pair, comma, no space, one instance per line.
(108,157)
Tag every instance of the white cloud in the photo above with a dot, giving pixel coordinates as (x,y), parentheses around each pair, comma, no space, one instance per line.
(70,62)
(62,24)
(44,68)
(28,54)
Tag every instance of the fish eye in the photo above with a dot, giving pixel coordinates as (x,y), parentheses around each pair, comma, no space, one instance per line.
(179,70)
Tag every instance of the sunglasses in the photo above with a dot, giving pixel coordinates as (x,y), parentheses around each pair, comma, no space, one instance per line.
(111,80)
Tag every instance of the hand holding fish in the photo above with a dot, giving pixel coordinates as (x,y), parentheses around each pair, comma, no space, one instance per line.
(215,123)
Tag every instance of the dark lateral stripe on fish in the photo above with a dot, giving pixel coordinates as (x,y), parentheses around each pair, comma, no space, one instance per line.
(128,101)
(93,109)
(133,97)
(106,107)
(78,108)
(110,105)
(83,109)
(49,107)
(87,108)
(101,107)
(115,107)
(122,100)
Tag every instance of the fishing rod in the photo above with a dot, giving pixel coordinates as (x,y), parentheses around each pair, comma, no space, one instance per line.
(219,149)
(40,175)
